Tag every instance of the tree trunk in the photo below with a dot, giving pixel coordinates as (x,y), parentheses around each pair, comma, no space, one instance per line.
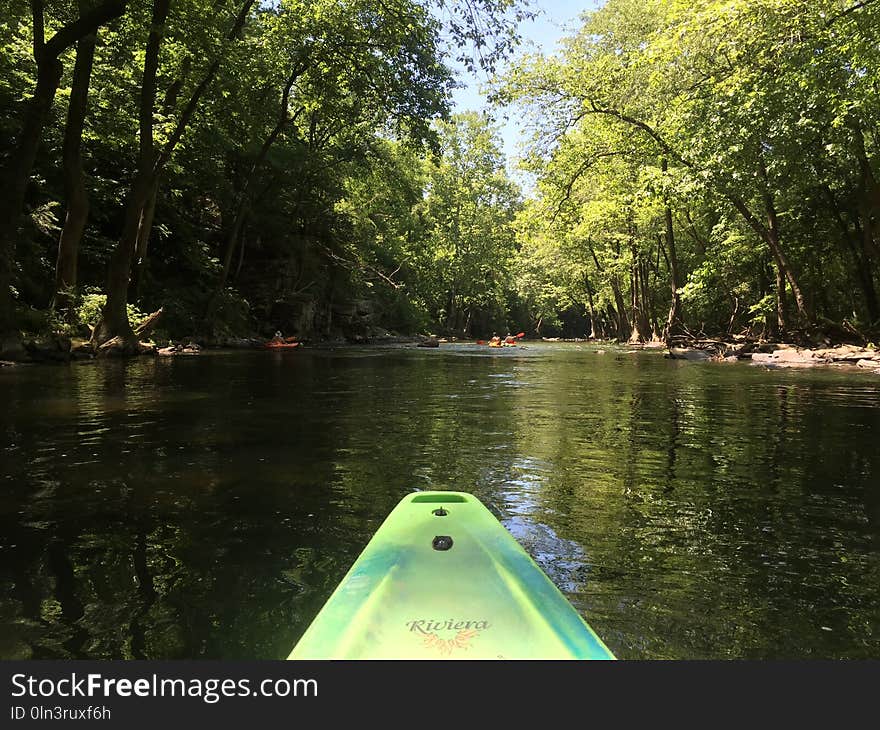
(16,173)
(623,330)
(114,320)
(241,210)
(453,315)
(639,319)
(611,314)
(869,204)
(866,274)
(114,316)
(674,318)
(869,191)
(781,313)
(231,242)
(772,231)
(770,324)
(241,247)
(74,180)
(592,307)
(15,179)
(858,249)
(145,227)
(770,234)
(647,302)
(776,251)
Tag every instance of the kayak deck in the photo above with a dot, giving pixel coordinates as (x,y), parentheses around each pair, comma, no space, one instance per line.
(442,578)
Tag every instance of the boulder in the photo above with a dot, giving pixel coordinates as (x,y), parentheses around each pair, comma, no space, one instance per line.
(847,353)
(789,358)
(688,353)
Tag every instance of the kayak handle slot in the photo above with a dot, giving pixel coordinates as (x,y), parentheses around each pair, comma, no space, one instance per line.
(442,497)
(442,542)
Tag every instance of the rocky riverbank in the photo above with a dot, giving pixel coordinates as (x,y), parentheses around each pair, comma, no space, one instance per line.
(781,355)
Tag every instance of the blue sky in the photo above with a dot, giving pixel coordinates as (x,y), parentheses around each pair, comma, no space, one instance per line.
(556,19)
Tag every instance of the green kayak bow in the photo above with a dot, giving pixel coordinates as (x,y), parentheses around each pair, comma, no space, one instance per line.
(442,578)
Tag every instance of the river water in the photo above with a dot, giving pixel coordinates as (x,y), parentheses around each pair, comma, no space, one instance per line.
(207,506)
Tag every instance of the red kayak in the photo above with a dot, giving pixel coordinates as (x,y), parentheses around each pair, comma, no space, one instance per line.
(281,345)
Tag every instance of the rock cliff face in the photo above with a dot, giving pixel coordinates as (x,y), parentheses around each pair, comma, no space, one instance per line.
(351,319)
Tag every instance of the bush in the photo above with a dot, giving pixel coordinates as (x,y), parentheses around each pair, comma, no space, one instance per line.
(90,305)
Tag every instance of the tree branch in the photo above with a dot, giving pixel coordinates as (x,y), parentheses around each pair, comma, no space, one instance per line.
(84,25)
(190,108)
(653,133)
(39,28)
(586,165)
(361,266)
(848,11)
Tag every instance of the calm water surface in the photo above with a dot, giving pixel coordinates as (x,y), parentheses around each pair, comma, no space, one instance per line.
(207,506)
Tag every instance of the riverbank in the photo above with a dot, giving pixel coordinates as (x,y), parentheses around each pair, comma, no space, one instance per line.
(771,355)
(782,355)
(56,348)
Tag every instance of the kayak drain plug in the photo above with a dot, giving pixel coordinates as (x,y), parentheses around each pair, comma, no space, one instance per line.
(440,512)
(442,542)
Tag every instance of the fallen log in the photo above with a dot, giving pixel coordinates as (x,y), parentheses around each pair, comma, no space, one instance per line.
(125,346)
(148,324)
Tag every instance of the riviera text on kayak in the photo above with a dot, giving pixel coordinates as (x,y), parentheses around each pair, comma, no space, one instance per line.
(423,626)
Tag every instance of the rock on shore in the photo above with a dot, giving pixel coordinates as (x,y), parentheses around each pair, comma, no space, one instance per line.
(794,357)
(779,355)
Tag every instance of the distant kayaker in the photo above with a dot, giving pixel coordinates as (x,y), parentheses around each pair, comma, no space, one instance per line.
(278,338)
(496,340)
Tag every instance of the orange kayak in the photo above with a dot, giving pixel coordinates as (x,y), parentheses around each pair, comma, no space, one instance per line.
(281,345)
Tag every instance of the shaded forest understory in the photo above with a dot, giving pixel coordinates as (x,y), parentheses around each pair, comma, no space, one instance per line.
(708,170)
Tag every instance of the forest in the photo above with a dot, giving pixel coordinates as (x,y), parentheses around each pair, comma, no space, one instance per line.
(222,169)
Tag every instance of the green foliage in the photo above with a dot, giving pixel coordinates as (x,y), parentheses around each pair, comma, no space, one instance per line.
(89,310)
(469,208)
(320,186)
(318,203)
(760,111)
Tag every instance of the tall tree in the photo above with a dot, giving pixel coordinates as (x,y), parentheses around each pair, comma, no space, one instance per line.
(114,317)
(15,174)
(75,192)
(470,204)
